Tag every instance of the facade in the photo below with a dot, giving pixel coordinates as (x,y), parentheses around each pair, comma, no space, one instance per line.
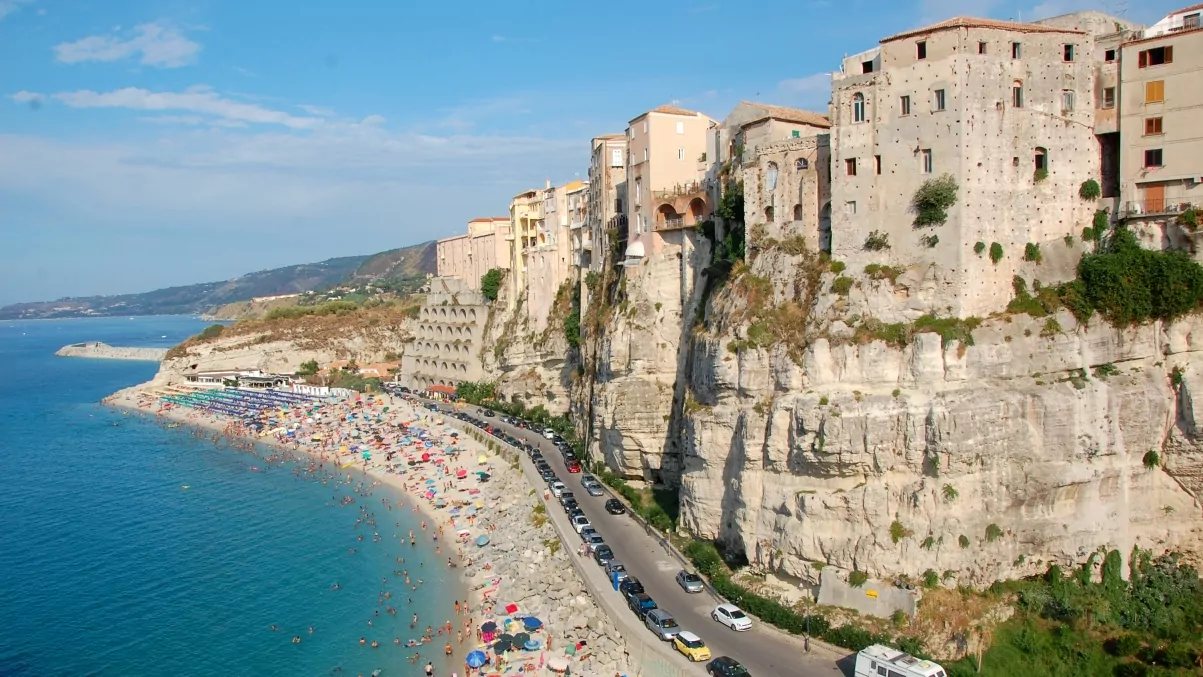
(548,263)
(445,349)
(526,213)
(1006,109)
(1161,107)
(607,193)
(666,176)
(787,183)
(577,194)
(471,255)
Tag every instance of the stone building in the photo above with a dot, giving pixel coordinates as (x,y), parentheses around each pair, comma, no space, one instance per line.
(445,348)
(1161,96)
(577,195)
(1006,109)
(469,256)
(607,192)
(526,213)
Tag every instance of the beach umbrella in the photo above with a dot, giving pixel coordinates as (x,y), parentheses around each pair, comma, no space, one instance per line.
(531,645)
(502,647)
(461,473)
(532,623)
(505,637)
(488,626)
(477,659)
(425,457)
(520,639)
(556,664)
(482,459)
(482,540)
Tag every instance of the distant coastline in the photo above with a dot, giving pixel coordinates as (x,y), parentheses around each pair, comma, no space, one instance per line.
(104,351)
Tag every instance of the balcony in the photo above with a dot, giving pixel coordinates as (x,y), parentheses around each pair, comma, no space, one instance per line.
(691,189)
(1139,209)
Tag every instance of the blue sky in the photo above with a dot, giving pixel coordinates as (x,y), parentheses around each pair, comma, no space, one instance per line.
(147,143)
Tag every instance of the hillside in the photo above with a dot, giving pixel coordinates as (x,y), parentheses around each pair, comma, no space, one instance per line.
(398,268)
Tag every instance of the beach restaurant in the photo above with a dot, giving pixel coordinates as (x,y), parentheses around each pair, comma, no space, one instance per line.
(244,379)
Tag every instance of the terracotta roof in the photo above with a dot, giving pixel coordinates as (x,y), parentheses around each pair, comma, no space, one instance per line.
(670,110)
(1185,9)
(970,22)
(487,219)
(798,115)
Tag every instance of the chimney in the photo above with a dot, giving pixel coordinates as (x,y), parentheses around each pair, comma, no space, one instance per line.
(549,184)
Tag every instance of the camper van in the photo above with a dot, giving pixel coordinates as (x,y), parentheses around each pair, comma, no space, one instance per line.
(883,661)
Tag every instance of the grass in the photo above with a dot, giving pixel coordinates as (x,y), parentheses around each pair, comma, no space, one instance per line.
(876,271)
(900,334)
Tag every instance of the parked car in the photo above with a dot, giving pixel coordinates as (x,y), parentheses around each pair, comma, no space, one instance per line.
(594,490)
(631,586)
(689,582)
(569,504)
(731,616)
(615,565)
(575,512)
(586,479)
(603,554)
(595,541)
(549,433)
(587,532)
(488,413)
(615,507)
(692,646)
(726,666)
(557,488)
(579,523)
(432,406)
(640,603)
(574,466)
(567,495)
(662,624)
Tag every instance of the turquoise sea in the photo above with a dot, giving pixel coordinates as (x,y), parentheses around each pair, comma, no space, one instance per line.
(109,566)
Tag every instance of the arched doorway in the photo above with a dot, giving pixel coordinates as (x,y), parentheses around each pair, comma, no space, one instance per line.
(697,210)
(825,228)
(667,217)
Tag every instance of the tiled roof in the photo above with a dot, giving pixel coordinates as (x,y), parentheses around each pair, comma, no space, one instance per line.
(1185,9)
(798,115)
(971,22)
(487,219)
(672,110)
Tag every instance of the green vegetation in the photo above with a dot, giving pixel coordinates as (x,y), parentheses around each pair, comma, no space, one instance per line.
(877,241)
(1104,370)
(932,201)
(1129,285)
(338,308)
(1151,459)
(1051,328)
(309,368)
(979,247)
(1068,240)
(950,493)
(842,285)
(898,532)
(572,318)
(930,241)
(996,252)
(857,578)
(490,283)
(211,332)
(1090,190)
(1031,253)
(993,533)
(928,543)
(901,334)
(837,267)
(538,515)
(730,207)
(963,541)
(1189,219)
(1039,175)
(823,401)
(931,579)
(876,271)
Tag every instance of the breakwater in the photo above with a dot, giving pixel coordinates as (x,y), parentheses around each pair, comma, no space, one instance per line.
(97,349)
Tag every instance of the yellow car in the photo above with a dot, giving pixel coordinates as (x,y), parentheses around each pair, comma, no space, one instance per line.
(692,646)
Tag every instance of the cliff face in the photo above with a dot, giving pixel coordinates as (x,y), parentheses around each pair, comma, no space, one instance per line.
(809,441)
(529,358)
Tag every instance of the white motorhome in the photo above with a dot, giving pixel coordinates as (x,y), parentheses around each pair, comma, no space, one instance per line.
(883,661)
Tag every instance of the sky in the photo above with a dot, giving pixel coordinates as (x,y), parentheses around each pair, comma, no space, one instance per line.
(150,143)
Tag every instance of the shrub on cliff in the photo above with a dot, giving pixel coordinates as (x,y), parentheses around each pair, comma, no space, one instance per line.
(211,332)
(932,201)
(1130,285)
(490,283)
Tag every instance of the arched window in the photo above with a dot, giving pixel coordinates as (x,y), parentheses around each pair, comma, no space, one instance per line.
(797,212)
(825,228)
(770,177)
(1041,159)
(858,107)
(801,163)
(768,214)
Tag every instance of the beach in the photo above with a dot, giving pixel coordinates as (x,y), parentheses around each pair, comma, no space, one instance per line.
(476,511)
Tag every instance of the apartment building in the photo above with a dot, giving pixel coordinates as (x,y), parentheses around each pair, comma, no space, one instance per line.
(526,213)
(666,176)
(1160,116)
(445,349)
(469,256)
(1006,109)
(577,195)
(607,191)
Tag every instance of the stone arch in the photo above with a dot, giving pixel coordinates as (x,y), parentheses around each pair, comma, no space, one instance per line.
(798,212)
(697,210)
(473,312)
(769,214)
(801,164)
(1041,158)
(825,228)
(667,216)
(770,177)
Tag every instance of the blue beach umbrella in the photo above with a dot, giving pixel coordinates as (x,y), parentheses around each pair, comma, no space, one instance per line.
(482,540)
(477,659)
(532,623)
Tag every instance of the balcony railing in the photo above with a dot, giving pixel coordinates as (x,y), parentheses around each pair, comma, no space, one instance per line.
(691,188)
(671,223)
(1157,207)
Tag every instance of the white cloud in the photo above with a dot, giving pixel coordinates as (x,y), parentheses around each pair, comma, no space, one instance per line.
(373,120)
(159,44)
(9,6)
(28,97)
(191,120)
(320,111)
(198,99)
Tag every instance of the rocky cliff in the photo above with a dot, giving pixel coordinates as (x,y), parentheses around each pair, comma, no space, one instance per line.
(529,358)
(96,349)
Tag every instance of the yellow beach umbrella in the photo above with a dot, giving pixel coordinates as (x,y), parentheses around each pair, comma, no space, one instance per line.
(482,459)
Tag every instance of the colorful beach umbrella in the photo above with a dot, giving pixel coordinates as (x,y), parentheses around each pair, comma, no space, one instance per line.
(488,626)
(532,623)
(477,659)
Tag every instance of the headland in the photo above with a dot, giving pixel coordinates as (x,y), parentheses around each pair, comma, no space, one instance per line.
(98,350)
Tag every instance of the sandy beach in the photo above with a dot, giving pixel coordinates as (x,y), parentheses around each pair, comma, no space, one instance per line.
(464,496)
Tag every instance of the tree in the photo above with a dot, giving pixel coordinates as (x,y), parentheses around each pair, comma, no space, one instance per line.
(490,283)
(308,368)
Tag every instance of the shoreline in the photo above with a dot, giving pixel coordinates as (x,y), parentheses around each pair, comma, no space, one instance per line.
(506,571)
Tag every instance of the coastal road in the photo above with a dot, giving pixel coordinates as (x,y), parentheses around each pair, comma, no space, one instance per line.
(763,651)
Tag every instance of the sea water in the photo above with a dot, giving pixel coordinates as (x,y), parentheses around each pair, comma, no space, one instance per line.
(128,548)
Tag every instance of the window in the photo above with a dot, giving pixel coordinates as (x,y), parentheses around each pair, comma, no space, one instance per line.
(770,177)
(1190,21)
(680,153)
(927,161)
(858,107)
(1158,56)
(615,157)
(939,99)
(1152,126)
(866,67)
(645,126)
(1067,54)
(904,105)
(797,212)
(1108,97)
(795,134)
(1015,161)
(801,163)
(638,192)
(1041,159)
(645,155)
(850,166)
(1153,157)
(850,207)
(921,49)
(1017,94)
(877,163)
(1155,91)
(1016,50)
(1067,100)
(1109,55)
(981,47)
(768,214)
(680,127)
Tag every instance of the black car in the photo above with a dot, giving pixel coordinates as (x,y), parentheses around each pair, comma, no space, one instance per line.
(603,554)
(725,666)
(615,507)
(574,512)
(568,503)
(640,603)
(487,413)
(432,406)
(630,586)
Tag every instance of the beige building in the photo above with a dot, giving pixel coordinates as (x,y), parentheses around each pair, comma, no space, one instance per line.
(1006,109)
(445,348)
(666,176)
(1161,118)
(469,256)
(607,192)
(526,213)
(548,263)
(577,194)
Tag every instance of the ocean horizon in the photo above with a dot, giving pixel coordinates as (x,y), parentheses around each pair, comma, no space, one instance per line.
(131,548)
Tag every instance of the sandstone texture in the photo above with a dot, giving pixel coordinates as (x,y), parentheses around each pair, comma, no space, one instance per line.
(98,350)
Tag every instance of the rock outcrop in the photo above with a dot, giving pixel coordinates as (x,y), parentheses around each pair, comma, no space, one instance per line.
(98,350)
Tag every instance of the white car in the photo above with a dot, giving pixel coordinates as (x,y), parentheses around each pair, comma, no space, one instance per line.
(549,433)
(557,488)
(579,523)
(731,616)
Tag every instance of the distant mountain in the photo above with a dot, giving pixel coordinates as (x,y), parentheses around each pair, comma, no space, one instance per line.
(397,267)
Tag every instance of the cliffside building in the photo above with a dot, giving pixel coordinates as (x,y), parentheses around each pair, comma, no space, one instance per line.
(469,256)
(1006,109)
(445,348)
(526,213)
(607,193)
(577,194)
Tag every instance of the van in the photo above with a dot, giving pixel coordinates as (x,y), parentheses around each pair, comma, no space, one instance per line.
(883,661)
(662,624)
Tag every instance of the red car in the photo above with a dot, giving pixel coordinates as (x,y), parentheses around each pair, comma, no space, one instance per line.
(574,466)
